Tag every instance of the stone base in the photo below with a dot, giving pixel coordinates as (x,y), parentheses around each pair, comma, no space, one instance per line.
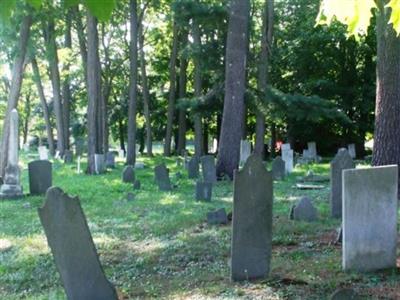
(8,191)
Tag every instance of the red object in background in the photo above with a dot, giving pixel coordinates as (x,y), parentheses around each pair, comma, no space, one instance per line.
(278,145)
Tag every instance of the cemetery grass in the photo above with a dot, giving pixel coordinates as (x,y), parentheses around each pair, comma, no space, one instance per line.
(160,246)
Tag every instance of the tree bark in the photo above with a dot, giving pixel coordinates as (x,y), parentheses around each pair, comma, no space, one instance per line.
(16,82)
(172,92)
(81,39)
(182,94)
(236,51)
(131,155)
(28,109)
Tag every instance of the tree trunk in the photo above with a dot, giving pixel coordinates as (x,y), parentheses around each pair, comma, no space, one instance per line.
(121,135)
(131,155)
(16,82)
(172,92)
(387,111)
(46,114)
(236,50)
(182,94)
(81,39)
(28,109)
(66,83)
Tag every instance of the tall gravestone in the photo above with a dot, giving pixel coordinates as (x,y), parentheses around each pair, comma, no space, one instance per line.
(252,221)
(342,161)
(99,163)
(352,150)
(73,249)
(128,175)
(287,156)
(193,167)
(208,168)
(110,160)
(43,153)
(278,168)
(162,178)
(370,218)
(40,177)
(11,187)
(245,151)
(312,150)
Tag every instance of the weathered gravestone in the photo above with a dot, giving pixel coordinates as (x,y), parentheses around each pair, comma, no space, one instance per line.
(193,167)
(203,191)
(287,157)
(278,168)
(245,151)
(312,150)
(342,161)
(208,168)
(128,175)
(370,218)
(162,178)
(68,157)
(252,221)
(110,160)
(40,177)
(217,217)
(304,210)
(73,249)
(43,153)
(99,164)
(139,165)
(352,150)
(285,147)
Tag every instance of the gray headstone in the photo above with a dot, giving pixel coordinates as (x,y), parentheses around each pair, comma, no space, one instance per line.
(110,160)
(342,161)
(208,168)
(128,175)
(287,157)
(252,221)
(73,249)
(193,167)
(203,191)
(40,177)
(304,210)
(352,150)
(99,162)
(139,165)
(43,153)
(370,218)
(245,151)
(137,185)
(312,150)
(162,178)
(278,168)
(217,217)
(68,157)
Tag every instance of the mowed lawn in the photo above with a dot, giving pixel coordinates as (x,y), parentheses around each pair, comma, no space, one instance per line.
(160,246)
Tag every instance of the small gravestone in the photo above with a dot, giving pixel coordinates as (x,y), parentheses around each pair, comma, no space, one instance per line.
(162,178)
(285,147)
(252,221)
(203,191)
(352,150)
(128,175)
(370,218)
(342,161)
(278,168)
(137,185)
(208,168)
(344,294)
(110,160)
(304,210)
(99,163)
(245,151)
(73,249)
(217,217)
(40,177)
(68,157)
(43,153)
(139,165)
(193,167)
(287,157)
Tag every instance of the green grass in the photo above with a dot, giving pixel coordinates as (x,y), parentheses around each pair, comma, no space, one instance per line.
(159,245)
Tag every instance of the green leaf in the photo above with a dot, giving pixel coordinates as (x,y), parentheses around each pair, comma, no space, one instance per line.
(101,9)
(35,3)
(6,8)
(395,17)
(71,3)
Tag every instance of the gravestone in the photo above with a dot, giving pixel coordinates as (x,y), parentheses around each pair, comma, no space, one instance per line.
(203,191)
(162,178)
(341,161)
(40,177)
(43,153)
(370,218)
(252,221)
(312,150)
(217,217)
(193,167)
(352,150)
(287,157)
(208,168)
(99,163)
(285,147)
(128,175)
(12,188)
(73,249)
(137,185)
(278,168)
(139,165)
(68,157)
(245,151)
(304,210)
(110,160)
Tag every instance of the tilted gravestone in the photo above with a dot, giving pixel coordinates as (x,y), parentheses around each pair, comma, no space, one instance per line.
(342,161)
(304,210)
(73,249)
(217,217)
(110,160)
(40,177)
(128,175)
(99,163)
(68,157)
(245,151)
(203,191)
(208,168)
(252,221)
(193,168)
(370,218)
(162,178)
(278,168)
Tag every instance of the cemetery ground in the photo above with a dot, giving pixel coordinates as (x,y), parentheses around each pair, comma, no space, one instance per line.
(160,246)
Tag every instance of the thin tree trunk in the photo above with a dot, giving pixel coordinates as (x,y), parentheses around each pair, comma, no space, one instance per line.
(16,82)
(45,108)
(198,86)
(236,51)
(131,155)
(172,92)
(181,146)
(81,39)
(121,135)
(66,83)
(28,109)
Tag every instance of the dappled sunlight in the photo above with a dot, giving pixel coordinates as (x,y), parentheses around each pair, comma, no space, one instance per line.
(33,245)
